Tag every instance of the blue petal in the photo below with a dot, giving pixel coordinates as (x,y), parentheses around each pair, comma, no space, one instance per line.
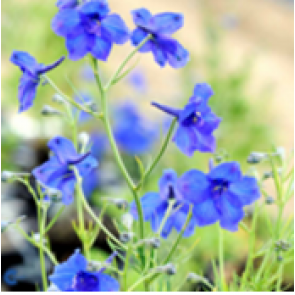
(87,165)
(179,58)
(167,181)
(167,22)
(66,23)
(64,149)
(115,29)
(43,69)
(206,213)
(101,48)
(203,90)
(95,9)
(160,55)
(62,4)
(137,36)
(209,123)
(188,111)
(67,186)
(25,61)
(193,185)
(180,218)
(230,214)
(107,283)
(79,46)
(244,192)
(184,139)
(49,170)
(149,203)
(141,17)
(229,171)
(27,91)
(205,143)
(65,272)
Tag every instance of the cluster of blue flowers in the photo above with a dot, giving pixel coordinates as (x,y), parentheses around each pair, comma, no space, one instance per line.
(219,195)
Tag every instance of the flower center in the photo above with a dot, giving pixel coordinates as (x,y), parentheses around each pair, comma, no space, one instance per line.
(85,281)
(218,187)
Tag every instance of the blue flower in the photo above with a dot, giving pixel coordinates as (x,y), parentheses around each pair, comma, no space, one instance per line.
(89,28)
(57,173)
(64,4)
(220,195)
(196,122)
(75,275)
(133,133)
(30,79)
(155,205)
(160,26)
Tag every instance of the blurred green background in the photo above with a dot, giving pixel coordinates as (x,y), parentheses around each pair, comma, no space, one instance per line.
(244,49)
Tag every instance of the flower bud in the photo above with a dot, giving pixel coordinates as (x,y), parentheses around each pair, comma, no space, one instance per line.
(36,237)
(58,98)
(83,139)
(50,111)
(269,200)
(282,245)
(155,242)
(94,266)
(127,220)
(256,157)
(54,195)
(126,237)
(119,203)
(169,269)
(7,176)
(195,278)
(280,258)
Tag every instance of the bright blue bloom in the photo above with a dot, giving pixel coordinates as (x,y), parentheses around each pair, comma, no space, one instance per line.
(155,205)
(196,122)
(89,28)
(74,275)
(160,26)
(57,173)
(220,195)
(64,4)
(30,79)
(133,133)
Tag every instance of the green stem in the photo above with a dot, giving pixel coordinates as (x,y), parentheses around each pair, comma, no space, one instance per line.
(221,258)
(41,223)
(167,214)
(129,251)
(159,156)
(54,219)
(143,279)
(115,150)
(123,64)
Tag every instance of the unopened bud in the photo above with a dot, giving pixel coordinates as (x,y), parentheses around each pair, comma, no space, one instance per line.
(119,203)
(155,243)
(83,139)
(58,98)
(169,269)
(50,111)
(94,266)
(280,258)
(282,245)
(11,176)
(37,238)
(127,220)
(126,237)
(269,200)
(281,153)
(256,157)
(195,278)
(54,195)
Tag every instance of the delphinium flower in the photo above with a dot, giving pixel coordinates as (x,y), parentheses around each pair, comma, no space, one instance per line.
(220,195)
(156,204)
(56,173)
(160,26)
(89,28)
(75,274)
(196,122)
(30,79)
(133,133)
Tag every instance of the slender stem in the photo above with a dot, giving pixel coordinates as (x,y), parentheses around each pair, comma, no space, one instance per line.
(123,64)
(159,156)
(54,219)
(115,150)
(167,214)
(143,279)
(221,257)
(41,223)
(125,272)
